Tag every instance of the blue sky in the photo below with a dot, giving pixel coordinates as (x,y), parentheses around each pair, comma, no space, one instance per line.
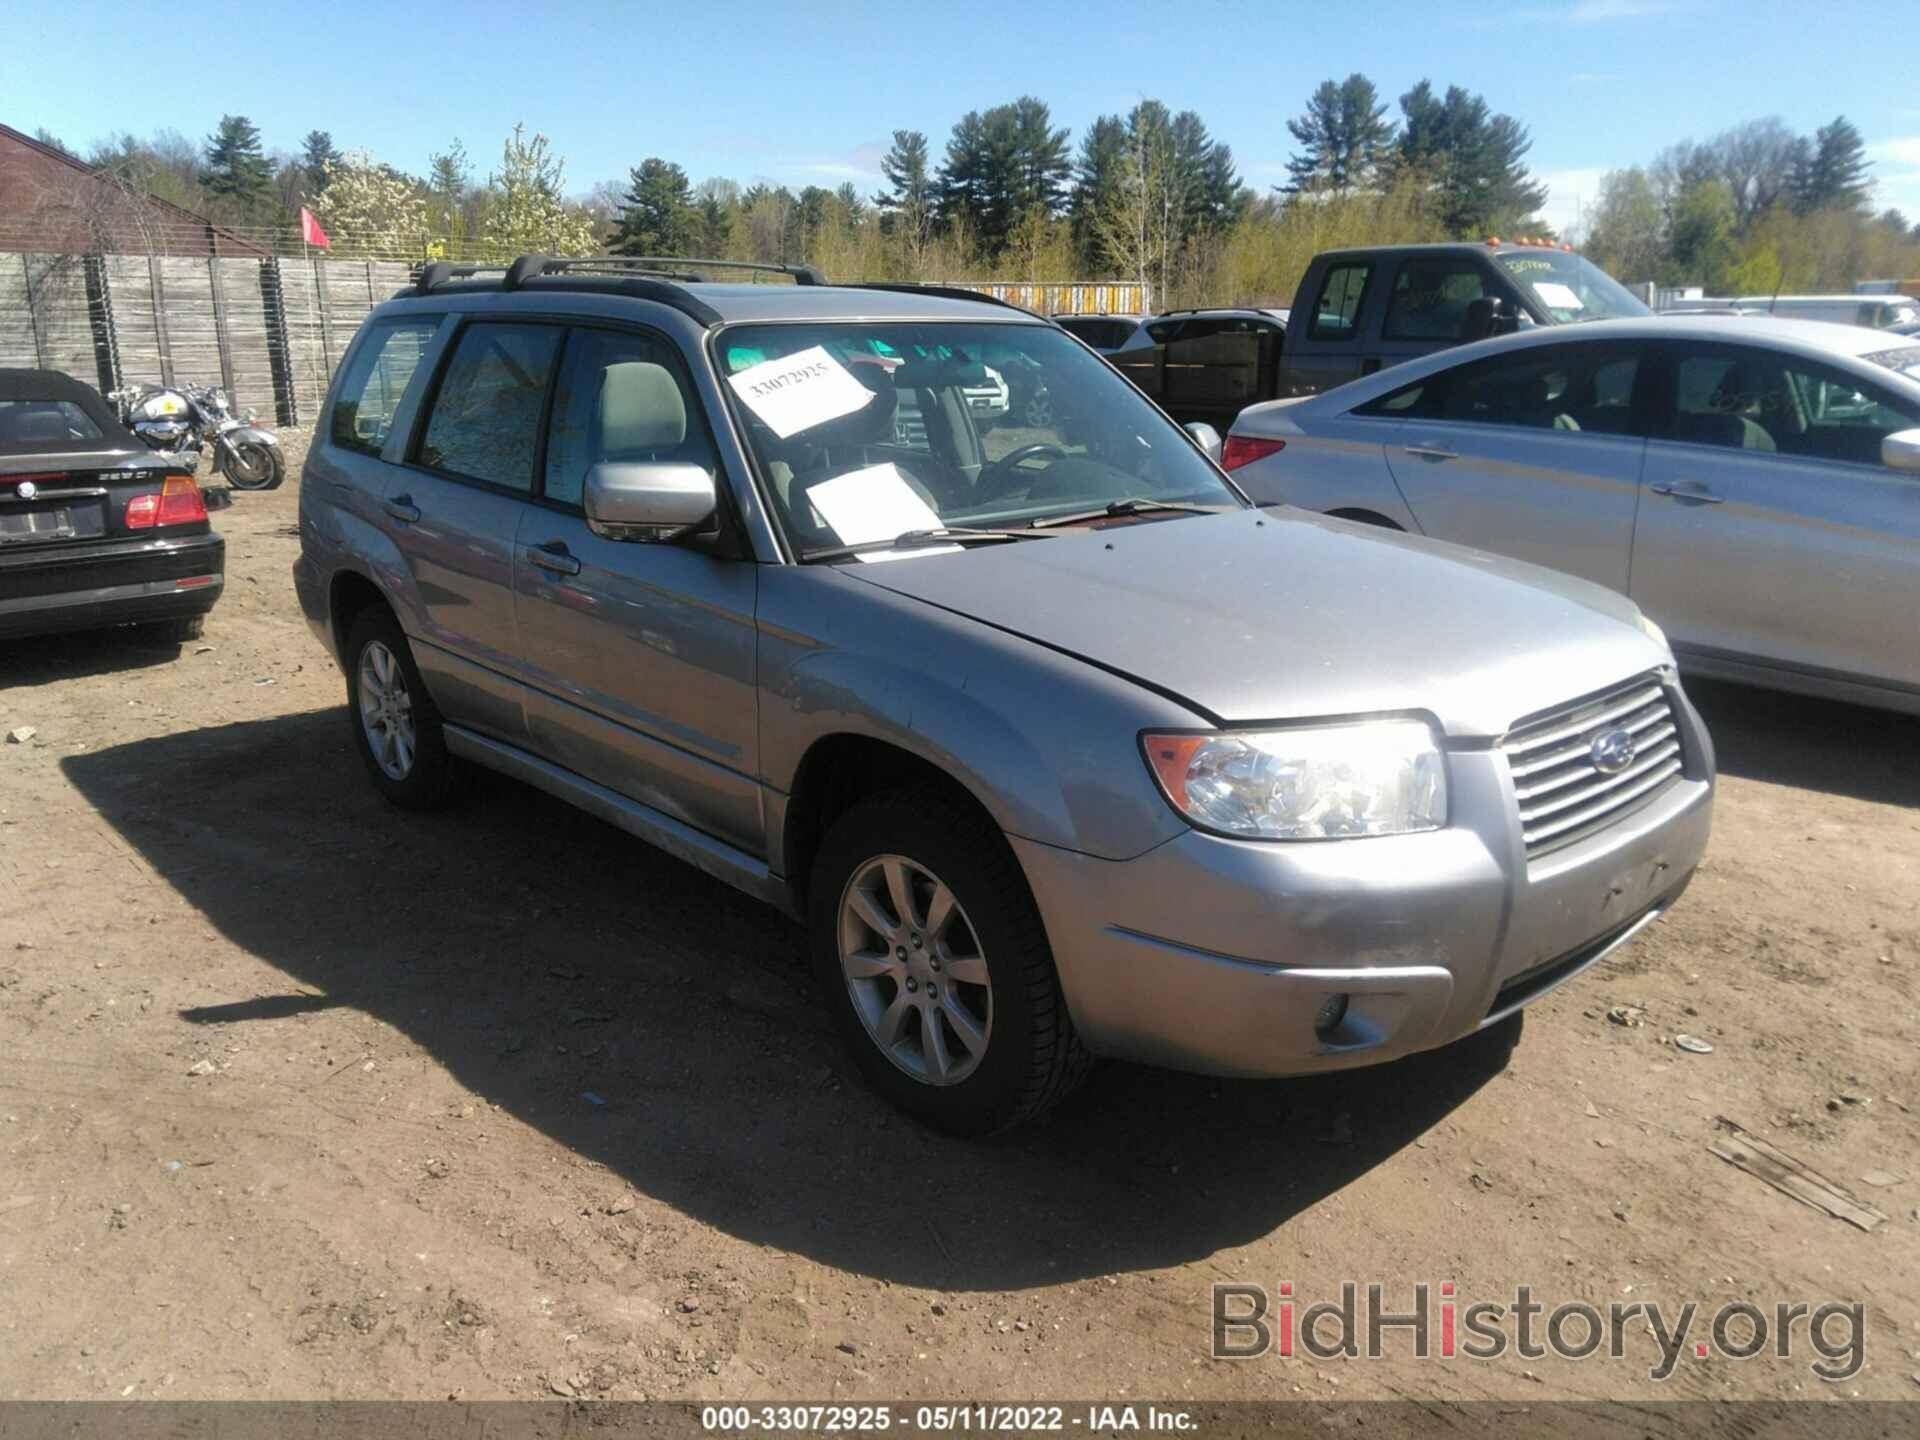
(804,93)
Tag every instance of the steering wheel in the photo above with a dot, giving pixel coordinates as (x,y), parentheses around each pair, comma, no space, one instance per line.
(996,479)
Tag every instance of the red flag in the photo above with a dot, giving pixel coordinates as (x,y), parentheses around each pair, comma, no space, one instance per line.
(310,230)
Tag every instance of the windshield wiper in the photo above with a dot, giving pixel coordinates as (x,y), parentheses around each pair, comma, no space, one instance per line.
(1114,508)
(918,540)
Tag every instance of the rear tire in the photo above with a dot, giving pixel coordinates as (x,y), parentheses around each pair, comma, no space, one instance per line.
(983,1042)
(396,727)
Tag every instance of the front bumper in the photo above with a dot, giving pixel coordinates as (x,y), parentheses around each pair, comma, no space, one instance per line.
(94,585)
(1214,955)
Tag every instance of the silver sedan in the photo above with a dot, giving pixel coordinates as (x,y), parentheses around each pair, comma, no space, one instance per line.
(1756,488)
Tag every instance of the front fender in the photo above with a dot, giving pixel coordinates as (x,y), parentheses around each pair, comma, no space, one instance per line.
(1048,744)
(251,434)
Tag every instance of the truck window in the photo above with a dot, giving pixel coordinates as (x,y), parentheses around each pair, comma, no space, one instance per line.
(1430,299)
(1336,314)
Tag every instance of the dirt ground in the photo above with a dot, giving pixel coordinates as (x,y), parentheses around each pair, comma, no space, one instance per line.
(301,1096)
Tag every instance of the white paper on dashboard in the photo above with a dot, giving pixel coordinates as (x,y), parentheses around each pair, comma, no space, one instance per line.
(876,503)
(798,391)
(1557,296)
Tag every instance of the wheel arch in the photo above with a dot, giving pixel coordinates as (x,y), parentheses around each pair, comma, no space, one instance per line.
(835,774)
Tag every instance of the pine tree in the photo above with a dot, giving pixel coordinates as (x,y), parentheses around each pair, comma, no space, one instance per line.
(449,178)
(316,154)
(1002,164)
(908,202)
(1834,173)
(1344,137)
(1098,173)
(1472,157)
(657,215)
(236,167)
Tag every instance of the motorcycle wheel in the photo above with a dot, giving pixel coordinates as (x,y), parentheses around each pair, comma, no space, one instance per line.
(254,467)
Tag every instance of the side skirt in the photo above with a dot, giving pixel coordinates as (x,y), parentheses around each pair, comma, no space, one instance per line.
(678,839)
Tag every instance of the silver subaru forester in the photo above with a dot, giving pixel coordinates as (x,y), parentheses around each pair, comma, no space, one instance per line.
(1058,746)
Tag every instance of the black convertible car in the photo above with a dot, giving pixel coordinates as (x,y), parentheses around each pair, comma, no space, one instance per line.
(95,529)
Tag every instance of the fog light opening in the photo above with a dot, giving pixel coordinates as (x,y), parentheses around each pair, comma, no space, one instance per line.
(1327,1018)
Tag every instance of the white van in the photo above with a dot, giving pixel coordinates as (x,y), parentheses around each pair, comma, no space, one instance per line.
(1875,311)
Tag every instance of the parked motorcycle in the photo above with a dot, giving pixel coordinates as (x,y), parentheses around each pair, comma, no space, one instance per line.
(185,419)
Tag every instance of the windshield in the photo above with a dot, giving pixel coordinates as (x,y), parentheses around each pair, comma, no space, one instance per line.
(867,431)
(1905,360)
(1570,287)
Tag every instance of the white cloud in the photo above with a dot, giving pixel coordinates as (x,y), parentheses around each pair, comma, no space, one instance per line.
(1896,173)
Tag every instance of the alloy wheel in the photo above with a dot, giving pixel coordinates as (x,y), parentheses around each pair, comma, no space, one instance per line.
(915,970)
(386,711)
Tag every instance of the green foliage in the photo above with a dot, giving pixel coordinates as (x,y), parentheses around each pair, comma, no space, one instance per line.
(908,202)
(657,216)
(1755,210)
(317,152)
(1475,160)
(1833,172)
(1344,137)
(1001,164)
(236,166)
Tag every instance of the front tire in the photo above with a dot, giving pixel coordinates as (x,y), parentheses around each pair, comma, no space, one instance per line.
(935,965)
(396,727)
(253,466)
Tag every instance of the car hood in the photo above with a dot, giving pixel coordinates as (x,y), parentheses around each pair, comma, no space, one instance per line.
(1283,614)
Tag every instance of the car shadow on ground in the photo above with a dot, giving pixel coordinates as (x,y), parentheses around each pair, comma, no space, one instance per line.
(542,957)
(41,659)
(1823,745)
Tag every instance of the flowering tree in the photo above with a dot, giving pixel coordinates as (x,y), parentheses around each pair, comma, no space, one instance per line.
(525,213)
(370,209)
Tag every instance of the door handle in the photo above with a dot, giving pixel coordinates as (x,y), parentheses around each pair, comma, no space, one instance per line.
(553,556)
(1689,490)
(1431,452)
(402,508)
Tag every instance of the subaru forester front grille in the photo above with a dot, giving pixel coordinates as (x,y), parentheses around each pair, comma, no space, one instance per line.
(1586,766)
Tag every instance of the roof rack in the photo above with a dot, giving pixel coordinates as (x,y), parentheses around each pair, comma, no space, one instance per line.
(591,273)
(683,265)
(945,292)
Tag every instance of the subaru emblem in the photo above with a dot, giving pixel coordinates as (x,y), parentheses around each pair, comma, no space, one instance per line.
(1612,751)
(28,489)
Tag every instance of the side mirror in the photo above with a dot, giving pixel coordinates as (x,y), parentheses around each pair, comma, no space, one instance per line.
(1901,450)
(654,501)
(1207,438)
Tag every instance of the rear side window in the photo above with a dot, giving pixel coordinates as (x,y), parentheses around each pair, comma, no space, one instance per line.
(1430,299)
(370,391)
(485,421)
(1582,388)
(621,397)
(1336,314)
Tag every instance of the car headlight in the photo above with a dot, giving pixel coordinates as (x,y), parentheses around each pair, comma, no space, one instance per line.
(1326,782)
(1654,633)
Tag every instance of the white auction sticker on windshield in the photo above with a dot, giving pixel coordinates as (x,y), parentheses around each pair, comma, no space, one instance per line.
(1556,295)
(798,391)
(876,503)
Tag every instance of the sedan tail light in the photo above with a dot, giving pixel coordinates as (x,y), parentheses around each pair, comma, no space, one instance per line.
(1245,449)
(178,503)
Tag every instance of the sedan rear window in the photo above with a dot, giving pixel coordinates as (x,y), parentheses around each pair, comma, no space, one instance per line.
(29,425)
